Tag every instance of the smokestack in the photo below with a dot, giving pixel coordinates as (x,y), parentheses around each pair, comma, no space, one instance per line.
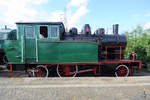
(115,28)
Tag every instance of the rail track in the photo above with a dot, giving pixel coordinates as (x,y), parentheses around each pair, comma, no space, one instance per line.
(21,74)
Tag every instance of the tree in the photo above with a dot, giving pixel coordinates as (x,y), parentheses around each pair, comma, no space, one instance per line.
(140,39)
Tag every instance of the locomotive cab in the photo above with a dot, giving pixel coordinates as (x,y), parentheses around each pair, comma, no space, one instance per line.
(27,43)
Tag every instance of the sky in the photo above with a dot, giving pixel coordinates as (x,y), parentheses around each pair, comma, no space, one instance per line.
(75,13)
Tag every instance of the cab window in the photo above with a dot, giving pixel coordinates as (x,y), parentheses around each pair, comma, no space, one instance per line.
(43,32)
(54,31)
(29,31)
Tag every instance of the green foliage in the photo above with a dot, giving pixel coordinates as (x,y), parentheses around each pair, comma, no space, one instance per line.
(140,39)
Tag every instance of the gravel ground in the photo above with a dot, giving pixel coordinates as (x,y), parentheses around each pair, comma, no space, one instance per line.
(99,88)
(17,86)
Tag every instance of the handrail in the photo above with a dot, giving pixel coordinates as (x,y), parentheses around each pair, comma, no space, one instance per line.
(22,41)
(36,50)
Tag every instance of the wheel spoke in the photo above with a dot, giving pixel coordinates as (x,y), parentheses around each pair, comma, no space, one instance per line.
(122,71)
(42,71)
(67,71)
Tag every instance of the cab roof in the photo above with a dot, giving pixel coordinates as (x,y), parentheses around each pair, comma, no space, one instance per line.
(49,23)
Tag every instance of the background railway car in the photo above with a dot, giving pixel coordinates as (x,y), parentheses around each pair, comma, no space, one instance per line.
(45,49)
(3,36)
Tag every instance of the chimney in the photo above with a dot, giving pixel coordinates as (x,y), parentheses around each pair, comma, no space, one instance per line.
(115,29)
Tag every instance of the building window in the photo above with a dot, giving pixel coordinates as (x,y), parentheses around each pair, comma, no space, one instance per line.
(54,31)
(2,35)
(43,32)
(29,32)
